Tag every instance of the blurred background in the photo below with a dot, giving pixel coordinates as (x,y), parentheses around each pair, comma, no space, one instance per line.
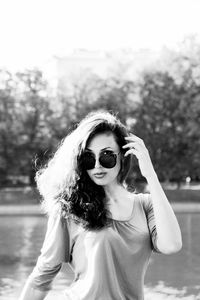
(60,60)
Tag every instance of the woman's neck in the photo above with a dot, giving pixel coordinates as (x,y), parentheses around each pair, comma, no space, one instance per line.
(114,192)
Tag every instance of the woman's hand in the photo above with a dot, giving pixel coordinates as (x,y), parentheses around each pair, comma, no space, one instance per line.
(136,146)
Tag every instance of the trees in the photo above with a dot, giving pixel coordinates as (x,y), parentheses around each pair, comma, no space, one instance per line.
(118,96)
(168,120)
(7,125)
(162,107)
(33,112)
(24,111)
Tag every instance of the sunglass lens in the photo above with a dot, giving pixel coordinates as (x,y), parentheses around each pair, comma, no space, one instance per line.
(108,160)
(88,161)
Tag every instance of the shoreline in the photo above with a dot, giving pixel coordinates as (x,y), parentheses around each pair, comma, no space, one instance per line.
(35,210)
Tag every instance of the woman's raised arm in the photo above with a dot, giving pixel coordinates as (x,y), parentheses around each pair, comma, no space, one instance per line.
(169,238)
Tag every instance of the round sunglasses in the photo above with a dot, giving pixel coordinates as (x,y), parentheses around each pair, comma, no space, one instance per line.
(107,159)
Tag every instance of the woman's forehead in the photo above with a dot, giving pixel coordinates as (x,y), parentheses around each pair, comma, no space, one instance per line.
(101,141)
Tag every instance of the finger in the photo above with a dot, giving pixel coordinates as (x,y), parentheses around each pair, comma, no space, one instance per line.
(134,138)
(131,144)
(132,151)
(135,145)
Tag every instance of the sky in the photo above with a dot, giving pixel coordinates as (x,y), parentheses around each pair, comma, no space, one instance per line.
(32,31)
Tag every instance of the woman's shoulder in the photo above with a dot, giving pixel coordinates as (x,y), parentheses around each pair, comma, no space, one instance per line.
(141,196)
(141,199)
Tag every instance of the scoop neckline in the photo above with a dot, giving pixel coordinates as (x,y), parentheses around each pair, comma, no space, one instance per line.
(130,215)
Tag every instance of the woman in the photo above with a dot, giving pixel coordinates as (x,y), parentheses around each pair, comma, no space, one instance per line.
(104,231)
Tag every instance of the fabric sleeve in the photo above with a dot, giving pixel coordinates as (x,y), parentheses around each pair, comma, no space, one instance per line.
(148,207)
(55,251)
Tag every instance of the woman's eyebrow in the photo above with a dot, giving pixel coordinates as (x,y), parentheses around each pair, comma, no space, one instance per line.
(106,148)
(100,150)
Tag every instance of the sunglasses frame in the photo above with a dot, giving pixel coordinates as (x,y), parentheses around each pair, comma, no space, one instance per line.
(95,159)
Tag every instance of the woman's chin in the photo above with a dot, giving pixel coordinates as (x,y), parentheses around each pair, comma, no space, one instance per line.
(103,181)
(100,181)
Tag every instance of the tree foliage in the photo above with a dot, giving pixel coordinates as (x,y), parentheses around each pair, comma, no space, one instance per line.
(162,107)
(166,121)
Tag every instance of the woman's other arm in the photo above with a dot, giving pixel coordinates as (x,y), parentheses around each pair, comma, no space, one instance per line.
(30,292)
(55,250)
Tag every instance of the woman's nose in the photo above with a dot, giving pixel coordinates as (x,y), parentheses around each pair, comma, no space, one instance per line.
(97,163)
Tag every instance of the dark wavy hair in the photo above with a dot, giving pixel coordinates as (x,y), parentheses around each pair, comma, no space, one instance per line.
(64,182)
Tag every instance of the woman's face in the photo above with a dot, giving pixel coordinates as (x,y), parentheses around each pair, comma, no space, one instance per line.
(103,144)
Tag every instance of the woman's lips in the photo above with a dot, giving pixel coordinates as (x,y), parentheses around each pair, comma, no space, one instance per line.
(99,175)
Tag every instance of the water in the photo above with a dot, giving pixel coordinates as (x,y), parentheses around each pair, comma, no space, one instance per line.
(175,276)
